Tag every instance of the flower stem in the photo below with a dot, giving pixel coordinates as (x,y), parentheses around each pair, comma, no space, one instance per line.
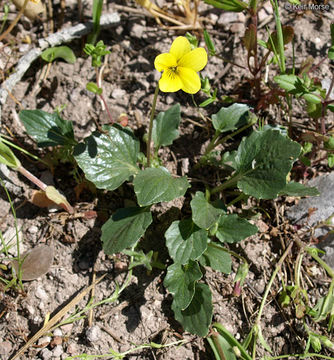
(149,137)
(31,177)
(230,182)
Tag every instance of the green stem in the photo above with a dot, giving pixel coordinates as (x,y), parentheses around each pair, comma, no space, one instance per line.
(312,252)
(149,137)
(212,145)
(213,142)
(279,37)
(268,288)
(230,136)
(231,182)
(31,177)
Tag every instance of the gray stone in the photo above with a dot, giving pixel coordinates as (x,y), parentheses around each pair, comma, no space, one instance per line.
(10,238)
(93,334)
(324,209)
(7,176)
(45,354)
(41,293)
(324,204)
(57,351)
(45,340)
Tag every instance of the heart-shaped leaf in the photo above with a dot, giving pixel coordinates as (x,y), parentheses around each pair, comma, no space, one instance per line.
(108,159)
(47,129)
(185,241)
(180,281)
(263,162)
(165,126)
(204,214)
(230,118)
(154,185)
(232,228)
(196,318)
(217,258)
(125,228)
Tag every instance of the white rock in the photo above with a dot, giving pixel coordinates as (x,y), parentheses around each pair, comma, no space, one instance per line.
(45,354)
(33,229)
(41,293)
(10,238)
(93,334)
(118,93)
(57,332)
(44,340)
(57,351)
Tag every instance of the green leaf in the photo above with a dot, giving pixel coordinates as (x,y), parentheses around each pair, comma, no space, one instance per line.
(297,189)
(47,129)
(230,118)
(232,228)
(180,281)
(312,98)
(217,258)
(249,40)
(185,241)
(7,156)
(165,126)
(263,162)
(330,160)
(196,318)
(124,228)
(62,52)
(287,82)
(92,87)
(108,159)
(204,214)
(223,339)
(228,5)
(331,53)
(154,185)
(209,43)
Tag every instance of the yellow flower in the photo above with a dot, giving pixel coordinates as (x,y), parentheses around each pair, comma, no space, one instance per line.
(180,67)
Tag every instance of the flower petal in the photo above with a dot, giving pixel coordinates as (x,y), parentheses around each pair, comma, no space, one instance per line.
(195,59)
(170,82)
(190,80)
(180,47)
(164,61)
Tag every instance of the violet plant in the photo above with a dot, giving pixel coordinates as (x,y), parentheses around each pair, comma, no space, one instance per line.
(258,168)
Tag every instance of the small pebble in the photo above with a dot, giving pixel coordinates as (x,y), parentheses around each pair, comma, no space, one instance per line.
(66,329)
(41,294)
(24,48)
(57,351)
(57,332)
(93,334)
(72,348)
(33,229)
(45,354)
(118,93)
(45,340)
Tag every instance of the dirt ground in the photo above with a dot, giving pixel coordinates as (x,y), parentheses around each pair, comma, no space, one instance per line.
(142,313)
